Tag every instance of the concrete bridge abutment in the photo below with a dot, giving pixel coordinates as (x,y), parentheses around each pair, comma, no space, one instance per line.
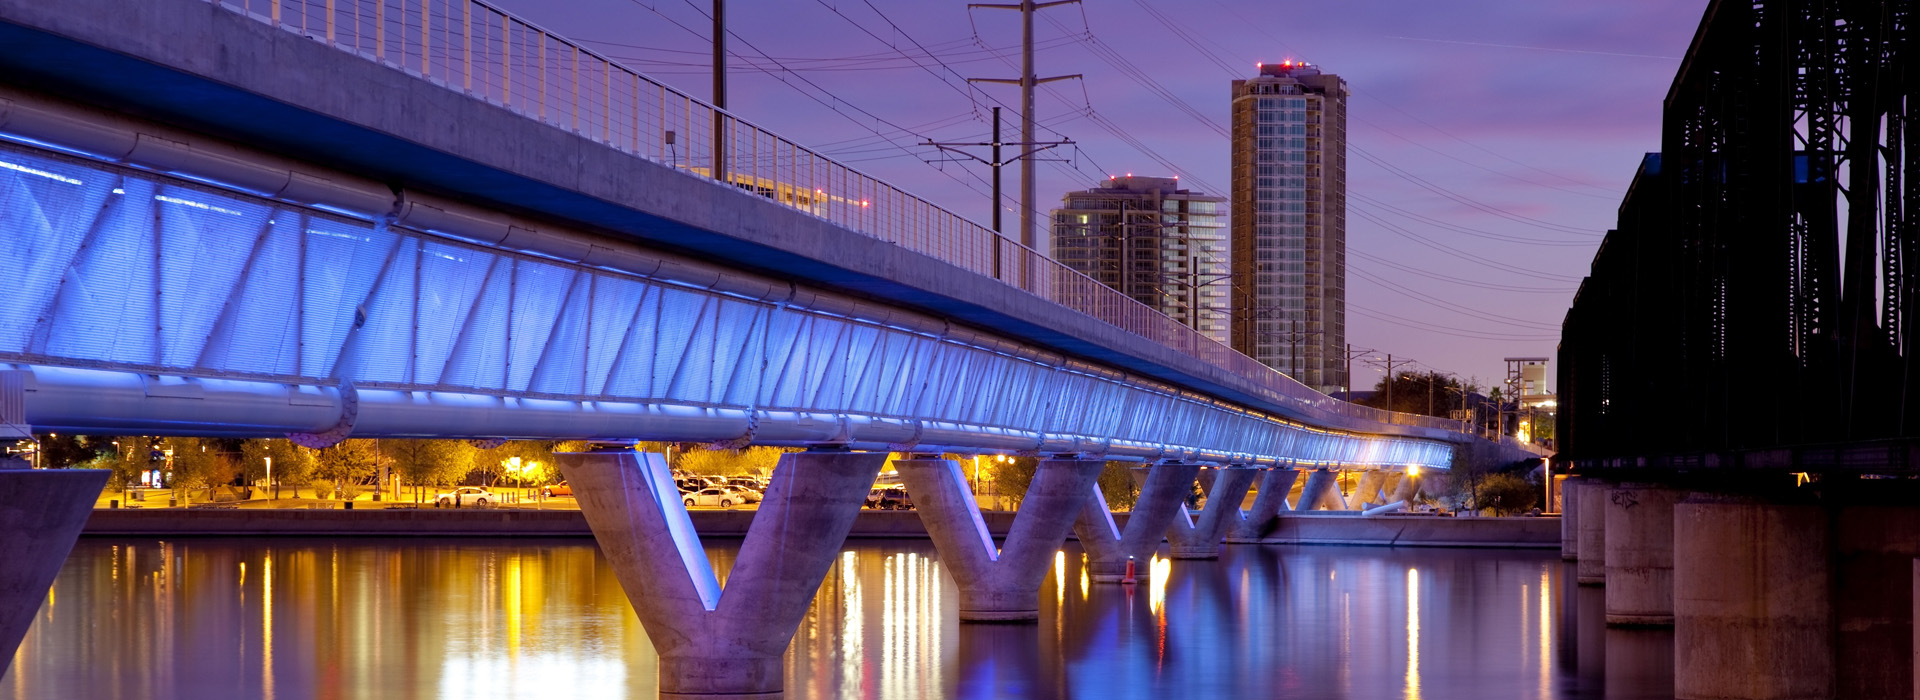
(999,584)
(1199,538)
(714,643)
(1163,490)
(41,513)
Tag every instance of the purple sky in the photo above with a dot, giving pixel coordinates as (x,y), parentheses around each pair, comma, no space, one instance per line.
(1529,116)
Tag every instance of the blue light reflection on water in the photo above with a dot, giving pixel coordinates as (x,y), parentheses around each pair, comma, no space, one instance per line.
(303,618)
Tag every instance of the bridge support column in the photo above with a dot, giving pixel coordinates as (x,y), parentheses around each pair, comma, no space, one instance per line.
(1403,487)
(1391,486)
(999,584)
(1639,556)
(715,645)
(1368,491)
(1916,630)
(1275,485)
(1752,598)
(1320,483)
(1192,538)
(1570,518)
(1591,566)
(41,513)
(1163,488)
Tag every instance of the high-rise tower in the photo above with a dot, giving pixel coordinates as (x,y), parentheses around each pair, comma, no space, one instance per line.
(1289,222)
(1164,246)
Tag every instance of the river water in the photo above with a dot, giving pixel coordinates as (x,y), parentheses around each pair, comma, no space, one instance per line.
(469,618)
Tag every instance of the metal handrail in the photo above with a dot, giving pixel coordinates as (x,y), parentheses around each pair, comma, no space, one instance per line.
(486,52)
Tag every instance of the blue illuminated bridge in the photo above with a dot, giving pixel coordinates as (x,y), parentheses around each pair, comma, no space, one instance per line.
(257,218)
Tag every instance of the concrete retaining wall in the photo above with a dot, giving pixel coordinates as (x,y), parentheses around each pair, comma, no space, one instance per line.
(444,522)
(1416,531)
(1327,528)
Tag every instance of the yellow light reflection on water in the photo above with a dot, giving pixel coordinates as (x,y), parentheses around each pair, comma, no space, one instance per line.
(1413,634)
(1158,570)
(1060,575)
(513,608)
(266,628)
(1546,636)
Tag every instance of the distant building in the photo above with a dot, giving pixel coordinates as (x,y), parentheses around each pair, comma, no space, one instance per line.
(1289,231)
(1161,245)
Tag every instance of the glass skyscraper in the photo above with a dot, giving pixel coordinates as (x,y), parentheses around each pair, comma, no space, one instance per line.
(1289,230)
(1161,245)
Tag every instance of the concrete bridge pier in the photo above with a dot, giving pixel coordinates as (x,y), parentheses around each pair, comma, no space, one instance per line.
(1368,491)
(716,644)
(1639,554)
(1591,538)
(1393,484)
(1752,598)
(1319,488)
(1403,487)
(1268,502)
(1570,518)
(41,513)
(1192,538)
(1163,488)
(999,584)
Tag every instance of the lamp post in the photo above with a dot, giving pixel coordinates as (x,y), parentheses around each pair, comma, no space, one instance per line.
(270,484)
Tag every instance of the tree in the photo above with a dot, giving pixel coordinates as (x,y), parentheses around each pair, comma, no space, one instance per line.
(1506,494)
(60,451)
(127,457)
(1013,476)
(198,463)
(726,462)
(292,464)
(431,462)
(1428,394)
(1116,485)
(347,465)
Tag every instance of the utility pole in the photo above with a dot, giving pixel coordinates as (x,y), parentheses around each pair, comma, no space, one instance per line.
(1027,82)
(996,163)
(1389,366)
(719,90)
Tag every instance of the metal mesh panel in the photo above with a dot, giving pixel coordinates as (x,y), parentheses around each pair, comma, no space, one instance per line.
(479,358)
(538,290)
(217,234)
(614,302)
(261,332)
(342,261)
(563,355)
(451,280)
(381,349)
(46,209)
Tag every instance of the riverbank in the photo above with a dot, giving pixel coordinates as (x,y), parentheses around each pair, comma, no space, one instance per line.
(1301,528)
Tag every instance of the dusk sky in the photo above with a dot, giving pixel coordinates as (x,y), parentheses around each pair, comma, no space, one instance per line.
(1489,140)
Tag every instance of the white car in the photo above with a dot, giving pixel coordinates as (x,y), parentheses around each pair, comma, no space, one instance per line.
(465,496)
(714,496)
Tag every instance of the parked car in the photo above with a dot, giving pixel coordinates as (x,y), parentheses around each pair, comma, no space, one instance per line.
(747,483)
(713,496)
(747,495)
(560,489)
(465,496)
(895,498)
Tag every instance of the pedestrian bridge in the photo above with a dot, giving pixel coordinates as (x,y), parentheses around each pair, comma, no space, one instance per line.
(446,222)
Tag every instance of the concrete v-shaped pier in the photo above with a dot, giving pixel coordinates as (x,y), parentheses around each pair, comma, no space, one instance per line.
(712,642)
(998,584)
(1199,538)
(1162,493)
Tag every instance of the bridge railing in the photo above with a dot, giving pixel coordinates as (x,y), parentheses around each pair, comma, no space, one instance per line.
(473,47)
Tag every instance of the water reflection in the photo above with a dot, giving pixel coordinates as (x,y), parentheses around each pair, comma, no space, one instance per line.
(472,619)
